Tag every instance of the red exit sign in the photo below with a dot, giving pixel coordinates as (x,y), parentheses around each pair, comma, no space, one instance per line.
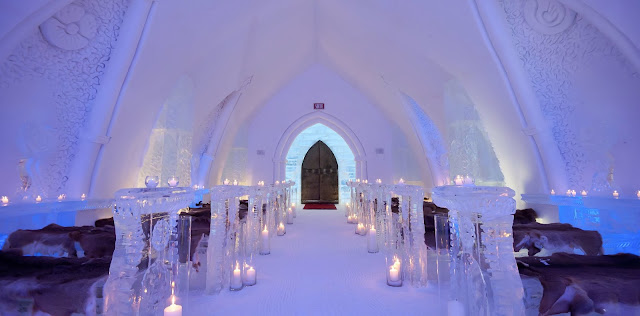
(318,106)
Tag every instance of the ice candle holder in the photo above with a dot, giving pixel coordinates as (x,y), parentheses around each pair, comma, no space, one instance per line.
(394,271)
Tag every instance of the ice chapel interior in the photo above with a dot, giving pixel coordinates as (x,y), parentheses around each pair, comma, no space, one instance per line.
(319,157)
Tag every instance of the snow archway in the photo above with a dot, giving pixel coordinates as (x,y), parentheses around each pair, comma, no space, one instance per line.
(307,138)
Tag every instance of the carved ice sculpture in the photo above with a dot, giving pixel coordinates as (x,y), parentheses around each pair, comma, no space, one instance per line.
(484,274)
(141,268)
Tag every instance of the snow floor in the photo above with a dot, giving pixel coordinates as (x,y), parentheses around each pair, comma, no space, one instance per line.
(320,267)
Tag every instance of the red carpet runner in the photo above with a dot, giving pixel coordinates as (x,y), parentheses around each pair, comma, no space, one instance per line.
(319,207)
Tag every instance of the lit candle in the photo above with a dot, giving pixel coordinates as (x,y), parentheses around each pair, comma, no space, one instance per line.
(379,181)
(459,180)
(250,276)
(173,309)
(264,248)
(638,194)
(372,243)
(293,206)
(5,200)
(173,182)
(235,182)
(83,196)
(616,194)
(360,229)
(61,197)
(226,182)
(573,192)
(568,192)
(290,216)
(396,264)
(281,229)
(553,192)
(468,180)
(38,199)
(236,279)
(394,274)
(401,181)
(358,180)
(455,308)
(583,193)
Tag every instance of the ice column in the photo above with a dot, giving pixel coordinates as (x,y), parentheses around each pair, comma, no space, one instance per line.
(481,221)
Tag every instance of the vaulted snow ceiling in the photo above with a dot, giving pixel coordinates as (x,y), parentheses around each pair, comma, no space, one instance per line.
(530,76)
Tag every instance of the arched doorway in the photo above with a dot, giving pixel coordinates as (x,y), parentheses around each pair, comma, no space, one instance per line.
(319,176)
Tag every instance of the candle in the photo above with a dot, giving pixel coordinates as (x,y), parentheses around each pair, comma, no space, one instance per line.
(290,216)
(83,196)
(401,181)
(568,192)
(293,206)
(61,197)
(173,182)
(5,200)
(616,194)
(573,192)
(394,274)
(468,180)
(379,181)
(250,276)
(236,279)
(638,194)
(281,230)
(455,308)
(372,243)
(583,193)
(358,180)
(38,199)
(396,264)
(173,309)
(226,182)
(459,180)
(360,229)
(553,192)
(235,182)
(264,248)
(277,182)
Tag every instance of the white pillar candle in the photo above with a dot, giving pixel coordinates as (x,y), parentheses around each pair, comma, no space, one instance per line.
(583,193)
(172,182)
(236,279)
(616,194)
(455,308)
(235,182)
(83,196)
(573,192)
(568,192)
(250,276)
(226,182)
(5,200)
(38,199)
(459,180)
(372,243)
(293,206)
(553,192)
(394,274)
(281,229)
(173,309)
(290,216)
(264,248)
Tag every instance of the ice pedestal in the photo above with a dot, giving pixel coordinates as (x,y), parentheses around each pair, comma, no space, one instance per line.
(484,275)
(145,259)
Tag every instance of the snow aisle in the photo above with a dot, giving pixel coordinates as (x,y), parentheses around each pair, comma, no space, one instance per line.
(320,267)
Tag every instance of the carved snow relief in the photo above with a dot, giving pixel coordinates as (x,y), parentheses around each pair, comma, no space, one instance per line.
(68,53)
(553,61)
(548,16)
(71,28)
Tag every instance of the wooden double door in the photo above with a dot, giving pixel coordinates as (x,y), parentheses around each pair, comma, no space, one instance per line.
(319,177)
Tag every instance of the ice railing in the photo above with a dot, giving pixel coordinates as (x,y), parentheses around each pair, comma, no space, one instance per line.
(401,234)
(478,254)
(38,213)
(615,217)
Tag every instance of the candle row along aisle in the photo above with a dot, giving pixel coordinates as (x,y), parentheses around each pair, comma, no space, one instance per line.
(398,230)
